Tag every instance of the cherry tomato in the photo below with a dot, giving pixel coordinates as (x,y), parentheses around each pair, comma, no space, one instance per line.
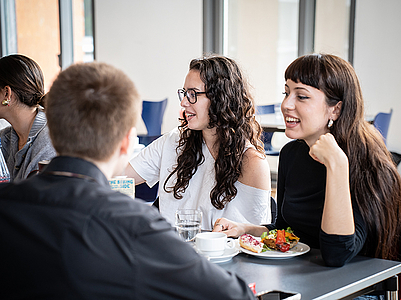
(283,247)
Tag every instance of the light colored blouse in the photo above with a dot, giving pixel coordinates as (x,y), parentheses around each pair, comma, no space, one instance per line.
(155,162)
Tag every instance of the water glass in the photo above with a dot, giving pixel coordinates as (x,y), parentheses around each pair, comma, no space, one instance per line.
(188,223)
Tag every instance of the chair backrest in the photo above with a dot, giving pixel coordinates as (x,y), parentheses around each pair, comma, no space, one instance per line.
(273,209)
(382,122)
(267,136)
(147,139)
(152,116)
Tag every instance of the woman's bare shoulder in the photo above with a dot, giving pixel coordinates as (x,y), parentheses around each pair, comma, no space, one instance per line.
(255,170)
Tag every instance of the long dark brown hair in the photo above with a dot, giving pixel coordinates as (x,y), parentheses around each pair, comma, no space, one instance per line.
(374,180)
(231,112)
(25,78)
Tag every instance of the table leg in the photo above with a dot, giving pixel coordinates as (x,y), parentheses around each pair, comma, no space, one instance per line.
(392,295)
(391,287)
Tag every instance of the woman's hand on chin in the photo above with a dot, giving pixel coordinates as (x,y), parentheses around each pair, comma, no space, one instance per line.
(326,151)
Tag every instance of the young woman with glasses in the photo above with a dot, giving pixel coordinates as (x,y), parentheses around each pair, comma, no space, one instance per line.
(214,161)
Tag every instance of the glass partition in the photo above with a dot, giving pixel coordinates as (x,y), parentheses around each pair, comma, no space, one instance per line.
(262,35)
(332,27)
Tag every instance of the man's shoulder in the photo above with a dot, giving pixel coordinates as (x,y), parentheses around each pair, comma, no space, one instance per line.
(117,209)
(122,209)
(78,199)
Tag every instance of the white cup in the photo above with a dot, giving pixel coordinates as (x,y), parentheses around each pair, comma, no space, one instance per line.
(213,243)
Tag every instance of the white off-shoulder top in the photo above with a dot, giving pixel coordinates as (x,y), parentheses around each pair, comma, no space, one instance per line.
(155,162)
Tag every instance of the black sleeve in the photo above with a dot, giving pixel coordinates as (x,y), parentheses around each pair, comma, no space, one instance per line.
(337,250)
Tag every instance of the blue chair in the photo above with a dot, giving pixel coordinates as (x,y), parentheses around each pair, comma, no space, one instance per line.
(382,123)
(152,116)
(147,194)
(147,139)
(267,136)
(273,208)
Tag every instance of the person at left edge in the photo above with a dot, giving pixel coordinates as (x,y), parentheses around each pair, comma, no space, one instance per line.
(26,142)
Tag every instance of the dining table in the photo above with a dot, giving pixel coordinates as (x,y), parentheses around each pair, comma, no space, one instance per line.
(307,275)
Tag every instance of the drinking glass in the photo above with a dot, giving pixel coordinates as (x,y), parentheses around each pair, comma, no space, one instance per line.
(188,223)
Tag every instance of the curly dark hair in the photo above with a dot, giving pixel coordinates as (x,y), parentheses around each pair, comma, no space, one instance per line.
(232,113)
(374,180)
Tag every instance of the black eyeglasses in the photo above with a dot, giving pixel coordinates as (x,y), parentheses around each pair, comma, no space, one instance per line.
(191,95)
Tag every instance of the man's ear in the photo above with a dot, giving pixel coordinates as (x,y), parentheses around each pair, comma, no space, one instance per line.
(337,110)
(128,142)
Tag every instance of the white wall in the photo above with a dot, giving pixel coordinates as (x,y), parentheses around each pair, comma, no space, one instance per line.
(152,41)
(377,60)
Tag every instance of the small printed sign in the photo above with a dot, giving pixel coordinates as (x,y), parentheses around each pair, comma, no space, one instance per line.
(124,185)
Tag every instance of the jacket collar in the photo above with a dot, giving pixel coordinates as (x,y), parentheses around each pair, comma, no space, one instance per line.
(77,166)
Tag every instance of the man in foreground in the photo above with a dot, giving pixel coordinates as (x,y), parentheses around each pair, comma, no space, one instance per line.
(64,234)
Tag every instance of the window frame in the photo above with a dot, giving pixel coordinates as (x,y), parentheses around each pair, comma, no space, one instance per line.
(213,27)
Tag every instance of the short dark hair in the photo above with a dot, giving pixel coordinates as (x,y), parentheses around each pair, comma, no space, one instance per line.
(25,78)
(90,107)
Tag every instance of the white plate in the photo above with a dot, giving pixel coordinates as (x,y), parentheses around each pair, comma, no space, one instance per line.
(299,249)
(226,256)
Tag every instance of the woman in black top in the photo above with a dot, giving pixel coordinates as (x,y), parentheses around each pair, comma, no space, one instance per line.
(338,187)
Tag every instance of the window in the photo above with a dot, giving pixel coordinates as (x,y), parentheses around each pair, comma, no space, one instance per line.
(32,28)
(332,27)
(265,36)
(262,35)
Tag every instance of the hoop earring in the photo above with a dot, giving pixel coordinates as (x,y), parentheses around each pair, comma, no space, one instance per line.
(6,102)
(330,123)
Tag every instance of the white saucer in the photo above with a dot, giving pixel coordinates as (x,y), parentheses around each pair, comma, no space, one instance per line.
(228,254)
